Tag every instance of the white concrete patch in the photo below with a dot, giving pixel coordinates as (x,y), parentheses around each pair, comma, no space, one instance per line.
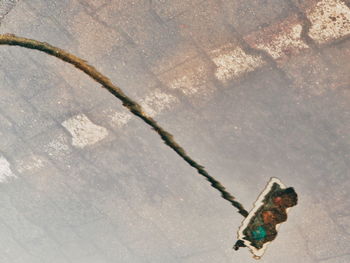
(5,170)
(83,131)
(120,119)
(193,78)
(287,40)
(187,84)
(330,20)
(191,81)
(32,163)
(157,101)
(57,147)
(233,62)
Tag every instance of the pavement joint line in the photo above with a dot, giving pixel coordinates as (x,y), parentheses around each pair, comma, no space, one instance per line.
(267,58)
(306,24)
(135,108)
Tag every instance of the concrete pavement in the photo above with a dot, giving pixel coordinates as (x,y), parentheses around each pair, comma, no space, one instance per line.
(251,89)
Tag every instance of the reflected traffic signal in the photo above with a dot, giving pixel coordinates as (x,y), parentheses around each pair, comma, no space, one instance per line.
(261,225)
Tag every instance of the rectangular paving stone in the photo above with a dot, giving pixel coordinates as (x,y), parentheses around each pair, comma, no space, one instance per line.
(193,80)
(128,69)
(330,20)
(248,16)
(157,251)
(46,249)
(335,196)
(337,242)
(27,120)
(281,40)
(24,75)
(112,115)
(310,73)
(59,11)
(95,4)
(233,62)
(7,133)
(6,6)
(32,210)
(337,56)
(34,239)
(104,155)
(74,211)
(117,6)
(338,259)
(171,56)
(161,45)
(157,101)
(185,229)
(205,256)
(58,102)
(92,258)
(6,173)
(344,222)
(107,241)
(206,24)
(127,224)
(144,28)
(56,145)
(12,251)
(305,4)
(24,22)
(84,91)
(74,247)
(83,131)
(93,38)
(168,9)
(87,93)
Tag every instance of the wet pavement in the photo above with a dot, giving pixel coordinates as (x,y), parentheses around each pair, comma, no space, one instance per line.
(251,90)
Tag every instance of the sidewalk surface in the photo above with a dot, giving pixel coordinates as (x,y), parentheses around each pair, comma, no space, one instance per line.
(252,89)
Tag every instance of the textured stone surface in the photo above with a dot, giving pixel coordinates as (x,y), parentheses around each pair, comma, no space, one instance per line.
(330,20)
(280,40)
